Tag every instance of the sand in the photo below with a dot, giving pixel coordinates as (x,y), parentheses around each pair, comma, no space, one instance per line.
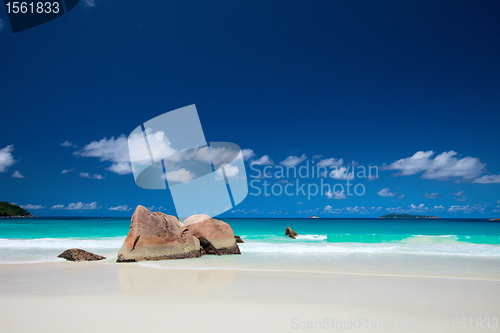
(109,297)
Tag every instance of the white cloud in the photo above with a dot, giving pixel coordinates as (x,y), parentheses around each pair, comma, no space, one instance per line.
(34,207)
(68,144)
(335,195)
(17,174)
(487,179)
(342,173)
(330,162)
(179,176)
(88,3)
(120,168)
(264,160)
(66,171)
(431,195)
(352,210)
(77,206)
(292,161)
(57,207)
(113,150)
(86,175)
(6,158)
(386,193)
(438,207)
(467,209)
(460,196)
(411,209)
(454,209)
(317,157)
(444,166)
(117,150)
(123,208)
(231,172)
(247,154)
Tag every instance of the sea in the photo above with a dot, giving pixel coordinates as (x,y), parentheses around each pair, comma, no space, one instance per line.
(452,248)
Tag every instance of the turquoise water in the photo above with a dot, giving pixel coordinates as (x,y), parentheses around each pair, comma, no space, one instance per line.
(445,247)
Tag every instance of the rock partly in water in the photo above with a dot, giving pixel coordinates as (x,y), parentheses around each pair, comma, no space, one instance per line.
(216,237)
(157,236)
(290,233)
(238,239)
(80,255)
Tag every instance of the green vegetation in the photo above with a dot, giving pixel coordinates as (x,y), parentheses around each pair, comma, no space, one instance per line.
(407,216)
(8,209)
(313,217)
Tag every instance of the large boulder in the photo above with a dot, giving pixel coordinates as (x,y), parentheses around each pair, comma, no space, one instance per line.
(290,233)
(216,237)
(157,236)
(80,255)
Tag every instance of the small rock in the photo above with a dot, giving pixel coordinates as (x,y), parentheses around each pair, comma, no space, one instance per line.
(238,239)
(290,233)
(80,255)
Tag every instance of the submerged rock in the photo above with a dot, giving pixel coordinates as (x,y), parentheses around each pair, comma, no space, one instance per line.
(238,239)
(290,233)
(158,236)
(80,255)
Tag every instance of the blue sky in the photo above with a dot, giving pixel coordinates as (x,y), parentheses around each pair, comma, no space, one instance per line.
(365,83)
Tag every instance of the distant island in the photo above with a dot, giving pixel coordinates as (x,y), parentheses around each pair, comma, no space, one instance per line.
(314,217)
(408,216)
(10,210)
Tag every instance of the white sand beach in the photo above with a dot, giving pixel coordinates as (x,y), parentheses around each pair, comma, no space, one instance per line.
(109,297)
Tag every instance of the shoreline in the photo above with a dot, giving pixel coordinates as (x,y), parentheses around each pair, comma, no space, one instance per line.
(149,265)
(98,296)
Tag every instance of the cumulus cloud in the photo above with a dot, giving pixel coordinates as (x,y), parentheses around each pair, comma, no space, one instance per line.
(179,176)
(120,168)
(444,166)
(247,154)
(460,196)
(487,179)
(264,160)
(431,195)
(17,174)
(386,192)
(67,144)
(6,158)
(352,210)
(86,175)
(123,208)
(66,171)
(32,207)
(330,162)
(77,206)
(411,209)
(342,173)
(338,195)
(116,150)
(231,172)
(467,209)
(292,161)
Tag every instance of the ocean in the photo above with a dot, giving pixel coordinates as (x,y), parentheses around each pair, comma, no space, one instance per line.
(459,248)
